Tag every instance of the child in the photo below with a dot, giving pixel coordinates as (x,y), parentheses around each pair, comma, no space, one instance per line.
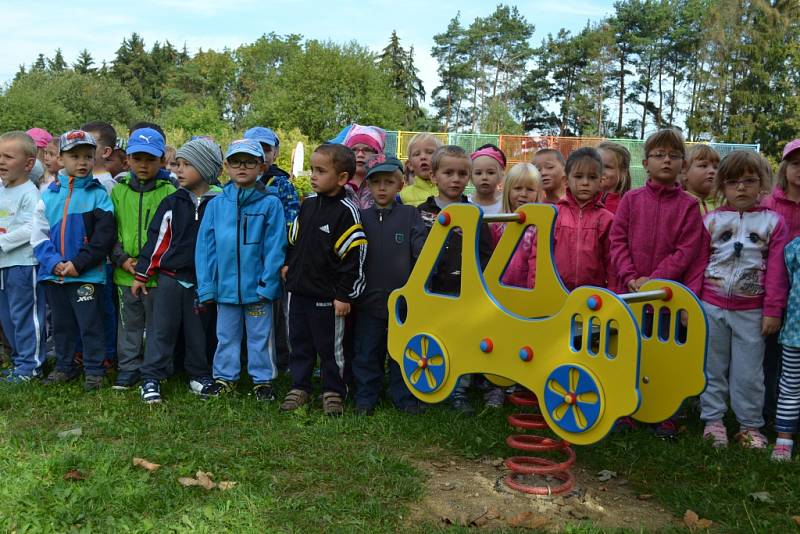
(324,273)
(744,294)
(581,243)
(420,151)
(136,200)
(51,164)
(170,162)
(701,168)
(169,253)
(450,171)
(396,235)
(117,163)
(41,139)
(522,186)
(616,180)
(365,142)
(73,232)
(240,250)
(551,163)
(106,137)
(22,301)
(488,166)
(657,230)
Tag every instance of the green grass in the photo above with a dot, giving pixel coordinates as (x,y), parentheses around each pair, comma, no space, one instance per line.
(304,472)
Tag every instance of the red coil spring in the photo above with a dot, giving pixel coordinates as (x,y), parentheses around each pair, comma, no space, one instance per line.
(532,465)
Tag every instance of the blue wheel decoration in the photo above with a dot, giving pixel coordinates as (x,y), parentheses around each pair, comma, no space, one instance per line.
(425,363)
(573,398)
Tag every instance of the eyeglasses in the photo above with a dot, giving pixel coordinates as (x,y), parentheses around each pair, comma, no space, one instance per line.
(246,163)
(747,182)
(364,150)
(673,156)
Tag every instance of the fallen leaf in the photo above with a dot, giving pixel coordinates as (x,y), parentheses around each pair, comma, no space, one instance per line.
(796,519)
(694,522)
(605,475)
(204,480)
(71,433)
(227,484)
(188,481)
(527,520)
(761,496)
(74,475)
(145,464)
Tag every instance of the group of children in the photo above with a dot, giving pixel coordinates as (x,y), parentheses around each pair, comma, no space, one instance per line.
(218,272)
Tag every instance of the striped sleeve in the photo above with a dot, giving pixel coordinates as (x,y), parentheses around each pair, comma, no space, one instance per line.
(159,240)
(351,248)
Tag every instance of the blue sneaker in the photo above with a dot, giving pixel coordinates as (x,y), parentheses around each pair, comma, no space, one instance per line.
(14,378)
(151,392)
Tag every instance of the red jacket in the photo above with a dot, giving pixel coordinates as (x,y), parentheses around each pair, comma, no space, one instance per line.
(521,268)
(788,209)
(611,201)
(657,233)
(581,242)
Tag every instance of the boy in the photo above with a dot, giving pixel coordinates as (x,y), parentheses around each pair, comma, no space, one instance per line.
(22,301)
(136,199)
(73,232)
(169,253)
(396,234)
(240,250)
(324,273)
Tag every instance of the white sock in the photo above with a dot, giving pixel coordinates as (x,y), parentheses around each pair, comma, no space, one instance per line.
(785,441)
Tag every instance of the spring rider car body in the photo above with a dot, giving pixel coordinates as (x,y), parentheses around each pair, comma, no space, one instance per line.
(590,356)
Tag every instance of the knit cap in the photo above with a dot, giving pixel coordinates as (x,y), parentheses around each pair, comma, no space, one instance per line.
(204,155)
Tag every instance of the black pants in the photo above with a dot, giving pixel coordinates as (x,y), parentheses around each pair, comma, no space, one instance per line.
(315,330)
(82,303)
(281,332)
(772,374)
(175,306)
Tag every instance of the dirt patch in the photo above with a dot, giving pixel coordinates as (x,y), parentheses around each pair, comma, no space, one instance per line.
(472,493)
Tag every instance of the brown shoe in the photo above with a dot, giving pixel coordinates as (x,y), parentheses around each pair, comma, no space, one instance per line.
(295,399)
(332,404)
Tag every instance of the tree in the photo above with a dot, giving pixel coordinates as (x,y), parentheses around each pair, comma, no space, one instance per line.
(57,64)
(450,94)
(398,65)
(84,63)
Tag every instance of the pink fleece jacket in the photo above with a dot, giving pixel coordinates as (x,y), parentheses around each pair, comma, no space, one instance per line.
(521,269)
(788,209)
(611,201)
(657,233)
(582,245)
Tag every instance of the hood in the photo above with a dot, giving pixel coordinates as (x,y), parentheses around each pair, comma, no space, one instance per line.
(77,183)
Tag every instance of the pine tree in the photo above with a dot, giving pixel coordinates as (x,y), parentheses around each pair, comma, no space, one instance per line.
(57,64)
(83,64)
(450,50)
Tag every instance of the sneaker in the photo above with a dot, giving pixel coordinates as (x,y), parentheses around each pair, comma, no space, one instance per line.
(666,429)
(59,377)
(460,403)
(14,378)
(217,388)
(625,424)
(264,392)
(295,399)
(92,382)
(494,398)
(151,391)
(332,404)
(716,432)
(126,380)
(197,385)
(781,453)
(751,438)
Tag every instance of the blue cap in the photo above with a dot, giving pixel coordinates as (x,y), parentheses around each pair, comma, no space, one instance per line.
(245,146)
(146,140)
(263,135)
(73,138)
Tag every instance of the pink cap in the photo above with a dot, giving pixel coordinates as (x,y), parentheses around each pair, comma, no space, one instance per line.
(790,147)
(371,136)
(40,137)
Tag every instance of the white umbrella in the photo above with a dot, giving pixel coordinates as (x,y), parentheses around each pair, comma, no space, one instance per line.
(298,155)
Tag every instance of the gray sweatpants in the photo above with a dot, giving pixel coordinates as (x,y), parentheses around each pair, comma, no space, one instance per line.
(135,316)
(735,366)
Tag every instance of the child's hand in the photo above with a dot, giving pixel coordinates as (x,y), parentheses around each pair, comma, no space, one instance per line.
(58,269)
(138,286)
(770,325)
(636,284)
(68,269)
(130,265)
(284,271)
(341,308)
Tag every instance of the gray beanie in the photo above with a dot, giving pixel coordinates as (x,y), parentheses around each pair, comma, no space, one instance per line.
(204,155)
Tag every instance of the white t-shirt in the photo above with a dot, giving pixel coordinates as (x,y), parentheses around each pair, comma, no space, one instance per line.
(106,180)
(17,207)
(490,209)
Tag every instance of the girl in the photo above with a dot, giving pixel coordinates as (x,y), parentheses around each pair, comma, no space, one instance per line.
(785,198)
(581,248)
(744,294)
(420,155)
(522,186)
(550,163)
(616,179)
(488,167)
(701,168)
(365,142)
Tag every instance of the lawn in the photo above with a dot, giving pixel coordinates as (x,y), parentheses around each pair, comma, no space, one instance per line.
(304,472)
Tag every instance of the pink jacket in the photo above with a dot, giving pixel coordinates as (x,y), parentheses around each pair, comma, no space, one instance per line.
(521,269)
(745,268)
(789,210)
(581,248)
(611,201)
(657,233)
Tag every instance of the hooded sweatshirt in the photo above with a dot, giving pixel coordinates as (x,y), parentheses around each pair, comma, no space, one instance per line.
(788,209)
(418,192)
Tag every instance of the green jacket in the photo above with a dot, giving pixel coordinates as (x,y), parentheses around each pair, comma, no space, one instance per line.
(135,203)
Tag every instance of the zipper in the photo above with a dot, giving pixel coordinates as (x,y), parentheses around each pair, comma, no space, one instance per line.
(139,226)
(238,253)
(64,215)
(578,245)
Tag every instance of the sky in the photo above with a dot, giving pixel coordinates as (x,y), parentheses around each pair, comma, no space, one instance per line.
(41,27)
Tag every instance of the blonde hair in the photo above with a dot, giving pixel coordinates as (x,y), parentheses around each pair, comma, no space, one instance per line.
(701,152)
(25,142)
(520,174)
(452,151)
(169,153)
(420,138)
(738,163)
(623,157)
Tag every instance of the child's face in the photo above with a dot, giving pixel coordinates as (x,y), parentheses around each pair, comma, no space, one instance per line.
(486,175)
(451,177)
(14,163)
(187,175)
(363,153)
(117,162)
(244,169)
(384,187)
(324,178)
(793,170)
(270,153)
(742,193)
(611,171)
(520,194)
(551,170)
(663,164)
(144,165)
(101,152)
(700,177)
(79,161)
(51,163)
(172,165)
(584,181)
(419,160)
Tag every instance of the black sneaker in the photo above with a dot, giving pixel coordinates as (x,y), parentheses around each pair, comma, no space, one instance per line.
(461,405)
(196,385)
(264,392)
(59,377)
(126,380)
(217,388)
(151,391)
(92,382)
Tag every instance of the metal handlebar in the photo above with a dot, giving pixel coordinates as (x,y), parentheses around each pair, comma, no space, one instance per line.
(644,296)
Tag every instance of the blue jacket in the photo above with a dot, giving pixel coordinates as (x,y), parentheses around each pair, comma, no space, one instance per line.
(790,334)
(241,246)
(74,221)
